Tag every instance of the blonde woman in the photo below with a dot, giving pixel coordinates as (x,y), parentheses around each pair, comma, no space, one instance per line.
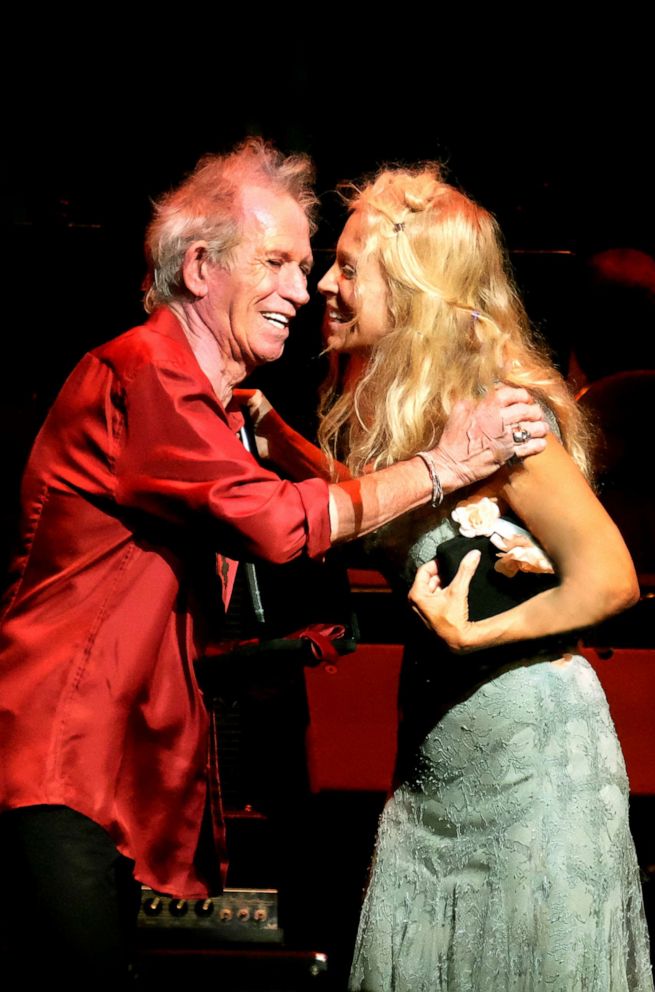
(504,859)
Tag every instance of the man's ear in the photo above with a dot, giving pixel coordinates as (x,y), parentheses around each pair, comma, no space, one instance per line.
(194,268)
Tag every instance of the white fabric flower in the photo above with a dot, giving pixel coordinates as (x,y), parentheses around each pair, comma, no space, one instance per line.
(519,552)
(477,518)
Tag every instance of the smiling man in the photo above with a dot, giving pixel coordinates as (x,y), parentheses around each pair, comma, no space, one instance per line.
(237,315)
(138,500)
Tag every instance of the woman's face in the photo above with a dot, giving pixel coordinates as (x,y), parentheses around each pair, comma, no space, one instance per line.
(352,321)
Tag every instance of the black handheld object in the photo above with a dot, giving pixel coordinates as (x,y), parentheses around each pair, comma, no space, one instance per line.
(247,438)
(490,591)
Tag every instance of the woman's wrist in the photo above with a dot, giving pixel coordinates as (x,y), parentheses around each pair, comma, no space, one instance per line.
(270,423)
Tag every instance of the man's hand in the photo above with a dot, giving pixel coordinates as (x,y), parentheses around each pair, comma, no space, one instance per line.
(480,437)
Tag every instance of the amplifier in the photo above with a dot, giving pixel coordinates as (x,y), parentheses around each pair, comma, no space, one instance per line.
(236,916)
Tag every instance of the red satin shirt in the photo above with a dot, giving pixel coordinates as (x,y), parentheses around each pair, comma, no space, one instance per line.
(136,500)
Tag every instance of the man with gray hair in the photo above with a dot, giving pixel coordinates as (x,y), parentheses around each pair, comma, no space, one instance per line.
(138,500)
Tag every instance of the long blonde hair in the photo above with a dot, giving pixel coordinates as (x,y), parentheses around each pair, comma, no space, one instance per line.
(456,327)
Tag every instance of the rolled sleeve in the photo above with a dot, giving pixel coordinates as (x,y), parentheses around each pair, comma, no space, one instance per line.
(314,495)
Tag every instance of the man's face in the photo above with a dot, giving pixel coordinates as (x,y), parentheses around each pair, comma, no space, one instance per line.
(248,307)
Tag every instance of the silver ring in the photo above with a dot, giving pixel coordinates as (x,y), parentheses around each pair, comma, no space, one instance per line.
(520,435)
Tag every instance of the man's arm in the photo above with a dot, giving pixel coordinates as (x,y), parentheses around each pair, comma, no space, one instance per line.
(476,441)
(178,460)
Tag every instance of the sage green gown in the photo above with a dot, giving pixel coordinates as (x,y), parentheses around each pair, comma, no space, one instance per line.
(504,861)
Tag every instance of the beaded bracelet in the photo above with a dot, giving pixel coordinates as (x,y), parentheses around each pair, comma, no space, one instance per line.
(437,488)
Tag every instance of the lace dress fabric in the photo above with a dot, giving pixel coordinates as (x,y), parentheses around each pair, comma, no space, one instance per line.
(504,859)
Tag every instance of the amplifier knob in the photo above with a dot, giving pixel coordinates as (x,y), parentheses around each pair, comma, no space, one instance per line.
(226,914)
(178,907)
(243,914)
(260,915)
(153,905)
(204,907)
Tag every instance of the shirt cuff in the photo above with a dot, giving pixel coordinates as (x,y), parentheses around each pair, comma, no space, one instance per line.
(314,494)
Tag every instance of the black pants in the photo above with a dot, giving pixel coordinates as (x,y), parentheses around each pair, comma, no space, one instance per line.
(69,902)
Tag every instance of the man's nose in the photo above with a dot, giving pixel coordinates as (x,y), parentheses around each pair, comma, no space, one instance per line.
(295,286)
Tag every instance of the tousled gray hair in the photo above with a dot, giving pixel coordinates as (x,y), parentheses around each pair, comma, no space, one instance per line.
(205,207)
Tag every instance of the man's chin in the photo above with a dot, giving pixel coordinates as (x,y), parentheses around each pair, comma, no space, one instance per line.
(271,354)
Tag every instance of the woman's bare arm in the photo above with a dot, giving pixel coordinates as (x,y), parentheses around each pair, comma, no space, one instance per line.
(598,579)
(280,444)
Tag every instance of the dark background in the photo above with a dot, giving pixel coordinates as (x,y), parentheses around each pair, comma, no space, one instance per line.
(550,130)
(551,136)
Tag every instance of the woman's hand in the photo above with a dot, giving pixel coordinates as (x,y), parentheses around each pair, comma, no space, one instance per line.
(258,407)
(254,399)
(445,609)
(280,444)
